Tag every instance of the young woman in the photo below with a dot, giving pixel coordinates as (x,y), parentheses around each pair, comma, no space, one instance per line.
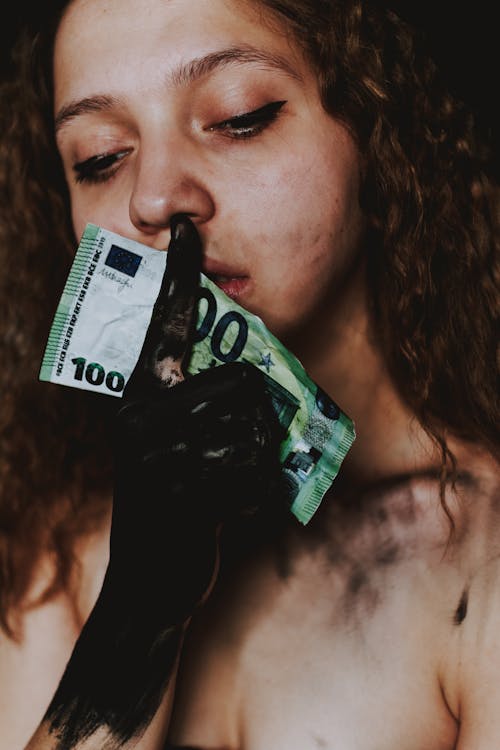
(342,194)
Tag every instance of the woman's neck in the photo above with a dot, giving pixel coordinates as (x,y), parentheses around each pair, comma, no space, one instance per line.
(343,357)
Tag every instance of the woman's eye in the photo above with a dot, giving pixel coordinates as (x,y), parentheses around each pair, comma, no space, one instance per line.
(98,168)
(102,167)
(250,123)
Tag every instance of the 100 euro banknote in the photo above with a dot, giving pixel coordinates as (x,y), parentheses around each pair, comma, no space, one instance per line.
(101,323)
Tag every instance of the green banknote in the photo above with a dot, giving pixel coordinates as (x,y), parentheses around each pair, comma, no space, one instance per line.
(100,325)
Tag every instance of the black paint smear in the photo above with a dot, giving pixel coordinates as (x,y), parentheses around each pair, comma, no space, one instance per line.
(167,506)
(357,581)
(120,685)
(122,662)
(387,554)
(461,611)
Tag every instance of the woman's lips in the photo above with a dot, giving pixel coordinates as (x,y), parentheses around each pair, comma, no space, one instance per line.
(232,286)
(232,282)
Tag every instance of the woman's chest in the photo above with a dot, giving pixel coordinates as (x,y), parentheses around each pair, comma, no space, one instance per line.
(340,653)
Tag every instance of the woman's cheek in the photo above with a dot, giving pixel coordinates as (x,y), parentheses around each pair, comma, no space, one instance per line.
(284,300)
(107,209)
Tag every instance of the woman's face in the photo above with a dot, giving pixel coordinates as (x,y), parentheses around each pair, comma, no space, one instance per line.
(203,107)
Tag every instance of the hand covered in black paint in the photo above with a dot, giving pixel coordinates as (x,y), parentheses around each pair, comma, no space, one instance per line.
(188,458)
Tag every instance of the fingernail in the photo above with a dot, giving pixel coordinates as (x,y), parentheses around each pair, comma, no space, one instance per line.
(180,226)
(185,238)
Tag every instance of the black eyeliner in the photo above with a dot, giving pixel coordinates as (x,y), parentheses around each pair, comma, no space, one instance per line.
(96,167)
(265,114)
(267,110)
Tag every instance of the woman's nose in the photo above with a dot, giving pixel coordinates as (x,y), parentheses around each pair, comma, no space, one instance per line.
(169,181)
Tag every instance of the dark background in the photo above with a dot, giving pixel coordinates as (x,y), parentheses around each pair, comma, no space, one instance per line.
(463,38)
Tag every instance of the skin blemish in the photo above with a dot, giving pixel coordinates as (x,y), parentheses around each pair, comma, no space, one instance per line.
(319,741)
(461,610)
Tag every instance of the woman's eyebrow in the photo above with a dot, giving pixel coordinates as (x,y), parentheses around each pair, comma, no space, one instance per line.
(100,103)
(191,71)
(185,74)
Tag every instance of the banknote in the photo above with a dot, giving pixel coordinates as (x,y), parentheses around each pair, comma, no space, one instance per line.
(100,325)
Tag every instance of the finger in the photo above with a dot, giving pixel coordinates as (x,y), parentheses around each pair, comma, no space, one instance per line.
(169,337)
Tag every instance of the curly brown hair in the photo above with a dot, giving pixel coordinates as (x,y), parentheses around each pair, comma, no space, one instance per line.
(433,268)
(55,463)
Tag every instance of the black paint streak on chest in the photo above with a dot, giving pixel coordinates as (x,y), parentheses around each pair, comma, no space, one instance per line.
(461,610)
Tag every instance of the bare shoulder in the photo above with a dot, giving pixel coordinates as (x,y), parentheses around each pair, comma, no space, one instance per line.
(32,663)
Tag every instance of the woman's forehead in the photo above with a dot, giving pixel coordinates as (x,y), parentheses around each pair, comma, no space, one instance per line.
(109,43)
(181,17)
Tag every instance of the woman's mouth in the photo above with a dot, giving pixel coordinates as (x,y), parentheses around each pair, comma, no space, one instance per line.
(233,286)
(231,282)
